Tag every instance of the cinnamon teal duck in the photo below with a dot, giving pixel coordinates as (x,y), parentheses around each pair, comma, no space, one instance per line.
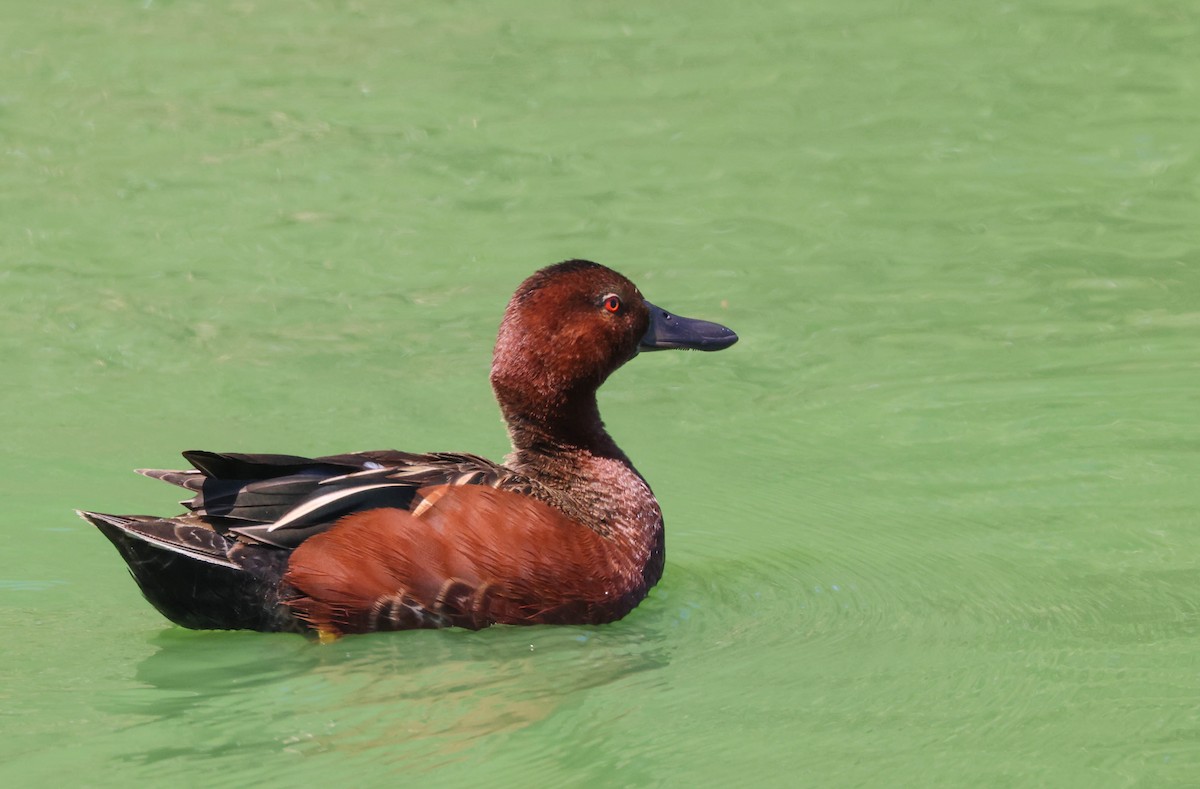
(566,531)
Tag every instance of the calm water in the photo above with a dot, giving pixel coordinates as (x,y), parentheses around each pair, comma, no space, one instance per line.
(933,522)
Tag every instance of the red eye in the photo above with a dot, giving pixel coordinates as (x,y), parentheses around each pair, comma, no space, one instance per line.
(612,303)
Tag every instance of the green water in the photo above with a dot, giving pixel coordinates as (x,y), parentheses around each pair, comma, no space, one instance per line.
(932,522)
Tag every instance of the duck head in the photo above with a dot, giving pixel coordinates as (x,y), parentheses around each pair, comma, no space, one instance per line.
(566,329)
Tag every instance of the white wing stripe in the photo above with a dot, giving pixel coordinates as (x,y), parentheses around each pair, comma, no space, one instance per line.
(326,500)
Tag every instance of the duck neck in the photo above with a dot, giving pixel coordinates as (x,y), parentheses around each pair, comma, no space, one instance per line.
(572,428)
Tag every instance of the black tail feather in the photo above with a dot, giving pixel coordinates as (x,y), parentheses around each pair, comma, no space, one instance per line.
(198,578)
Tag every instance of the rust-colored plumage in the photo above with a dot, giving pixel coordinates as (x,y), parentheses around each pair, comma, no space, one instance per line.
(567,531)
(462,556)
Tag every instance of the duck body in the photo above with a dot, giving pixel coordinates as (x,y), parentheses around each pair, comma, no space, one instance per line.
(566,531)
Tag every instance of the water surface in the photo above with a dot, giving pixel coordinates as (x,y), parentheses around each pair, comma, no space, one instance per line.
(932,522)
